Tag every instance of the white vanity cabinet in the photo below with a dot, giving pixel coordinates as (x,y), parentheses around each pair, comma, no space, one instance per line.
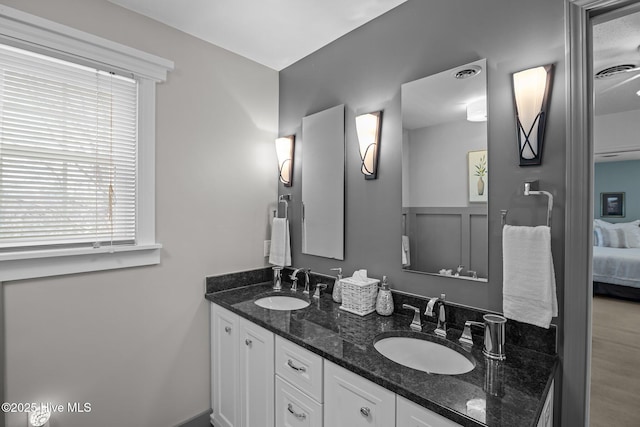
(263,380)
(242,371)
(410,414)
(352,401)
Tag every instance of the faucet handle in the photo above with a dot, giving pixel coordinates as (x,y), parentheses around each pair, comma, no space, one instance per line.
(416,324)
(466,337)
(319,286)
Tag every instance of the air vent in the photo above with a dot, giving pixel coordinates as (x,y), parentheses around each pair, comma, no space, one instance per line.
(612,71)
(466,73)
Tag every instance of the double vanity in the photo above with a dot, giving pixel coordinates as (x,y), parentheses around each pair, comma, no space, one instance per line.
(288,359)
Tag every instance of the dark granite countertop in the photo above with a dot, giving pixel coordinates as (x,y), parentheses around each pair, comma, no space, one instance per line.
(513,390)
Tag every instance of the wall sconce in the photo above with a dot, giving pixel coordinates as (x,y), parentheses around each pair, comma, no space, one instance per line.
(284,151)
(477,110)
(368,129)
(39,416)
(531,90)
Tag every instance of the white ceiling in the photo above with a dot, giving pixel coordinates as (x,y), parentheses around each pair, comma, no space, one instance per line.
(441,98)
(275,33)
(615,42)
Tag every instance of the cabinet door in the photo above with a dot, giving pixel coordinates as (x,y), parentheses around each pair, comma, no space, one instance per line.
(256,375)
(294,408)
(352,401)
(546,417)
(224,367)
(410,414)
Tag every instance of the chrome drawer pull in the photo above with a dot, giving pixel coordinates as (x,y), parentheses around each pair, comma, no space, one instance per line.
(295,368)
(227,329)
(365,411)
(298,416)
(248,342)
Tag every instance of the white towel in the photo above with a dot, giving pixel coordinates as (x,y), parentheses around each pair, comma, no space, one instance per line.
(406,254)
(280,253)
(529,284)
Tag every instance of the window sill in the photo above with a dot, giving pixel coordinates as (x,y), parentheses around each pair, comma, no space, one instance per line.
(55,262)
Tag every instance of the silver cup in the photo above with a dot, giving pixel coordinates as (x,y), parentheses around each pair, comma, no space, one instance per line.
(494,332)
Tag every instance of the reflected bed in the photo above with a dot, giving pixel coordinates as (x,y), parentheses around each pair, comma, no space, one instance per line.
(616,272)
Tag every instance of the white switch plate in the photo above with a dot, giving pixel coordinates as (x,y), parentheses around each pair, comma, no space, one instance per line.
(267,248)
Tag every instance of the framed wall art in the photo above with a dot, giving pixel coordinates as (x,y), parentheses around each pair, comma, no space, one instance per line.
(478,179)
(612,205)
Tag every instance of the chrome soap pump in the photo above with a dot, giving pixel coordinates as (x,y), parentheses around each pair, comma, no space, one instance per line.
(337,286)
(384,303)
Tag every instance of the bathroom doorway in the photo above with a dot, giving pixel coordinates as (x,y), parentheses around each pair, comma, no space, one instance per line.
(615,337)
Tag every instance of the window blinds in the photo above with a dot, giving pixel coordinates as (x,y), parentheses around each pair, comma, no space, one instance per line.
(68,145)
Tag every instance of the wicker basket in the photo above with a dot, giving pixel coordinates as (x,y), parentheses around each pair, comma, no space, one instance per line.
(359,297)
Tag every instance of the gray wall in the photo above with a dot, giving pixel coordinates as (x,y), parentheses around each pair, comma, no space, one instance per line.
(364,70)
(436,165)
(135,342)
(615,177)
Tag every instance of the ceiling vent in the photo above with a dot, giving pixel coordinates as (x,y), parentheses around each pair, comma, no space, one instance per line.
(612,71)
(466,73)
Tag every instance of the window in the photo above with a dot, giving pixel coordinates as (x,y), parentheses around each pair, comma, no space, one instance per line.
(67,153)
(77,150)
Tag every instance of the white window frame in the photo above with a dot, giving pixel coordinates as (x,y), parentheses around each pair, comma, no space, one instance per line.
(33,33)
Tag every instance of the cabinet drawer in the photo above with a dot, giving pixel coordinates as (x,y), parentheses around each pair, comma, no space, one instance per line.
(294,408)
(352,401)
(410,414)
(300,367)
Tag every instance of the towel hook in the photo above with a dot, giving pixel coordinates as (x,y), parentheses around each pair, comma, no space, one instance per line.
(529,192)
(283,198)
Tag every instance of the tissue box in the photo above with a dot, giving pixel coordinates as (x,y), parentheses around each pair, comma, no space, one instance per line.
(359,297)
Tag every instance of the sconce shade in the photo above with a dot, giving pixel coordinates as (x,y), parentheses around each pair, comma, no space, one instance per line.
(368,129)
(284,152)
(531,89)
(39,416)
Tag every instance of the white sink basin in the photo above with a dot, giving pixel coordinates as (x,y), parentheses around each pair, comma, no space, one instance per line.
(424,355)
(281,302)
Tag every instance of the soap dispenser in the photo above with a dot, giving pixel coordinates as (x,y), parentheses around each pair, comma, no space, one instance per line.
(384,303)
(337,286)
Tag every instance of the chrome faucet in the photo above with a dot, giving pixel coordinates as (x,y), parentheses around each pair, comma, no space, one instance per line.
(441,328)
(294,280)
(416,324)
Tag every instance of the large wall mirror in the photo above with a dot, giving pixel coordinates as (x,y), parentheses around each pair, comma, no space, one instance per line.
(445,173)
(323,183)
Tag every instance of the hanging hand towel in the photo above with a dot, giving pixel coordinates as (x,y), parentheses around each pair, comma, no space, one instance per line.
(529,284)
(406,254)
(280,243)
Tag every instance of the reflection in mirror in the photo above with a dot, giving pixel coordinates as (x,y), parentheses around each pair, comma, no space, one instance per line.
(323,183)
(445,173)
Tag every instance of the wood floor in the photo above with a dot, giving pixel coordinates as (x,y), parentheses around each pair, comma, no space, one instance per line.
(615,363)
